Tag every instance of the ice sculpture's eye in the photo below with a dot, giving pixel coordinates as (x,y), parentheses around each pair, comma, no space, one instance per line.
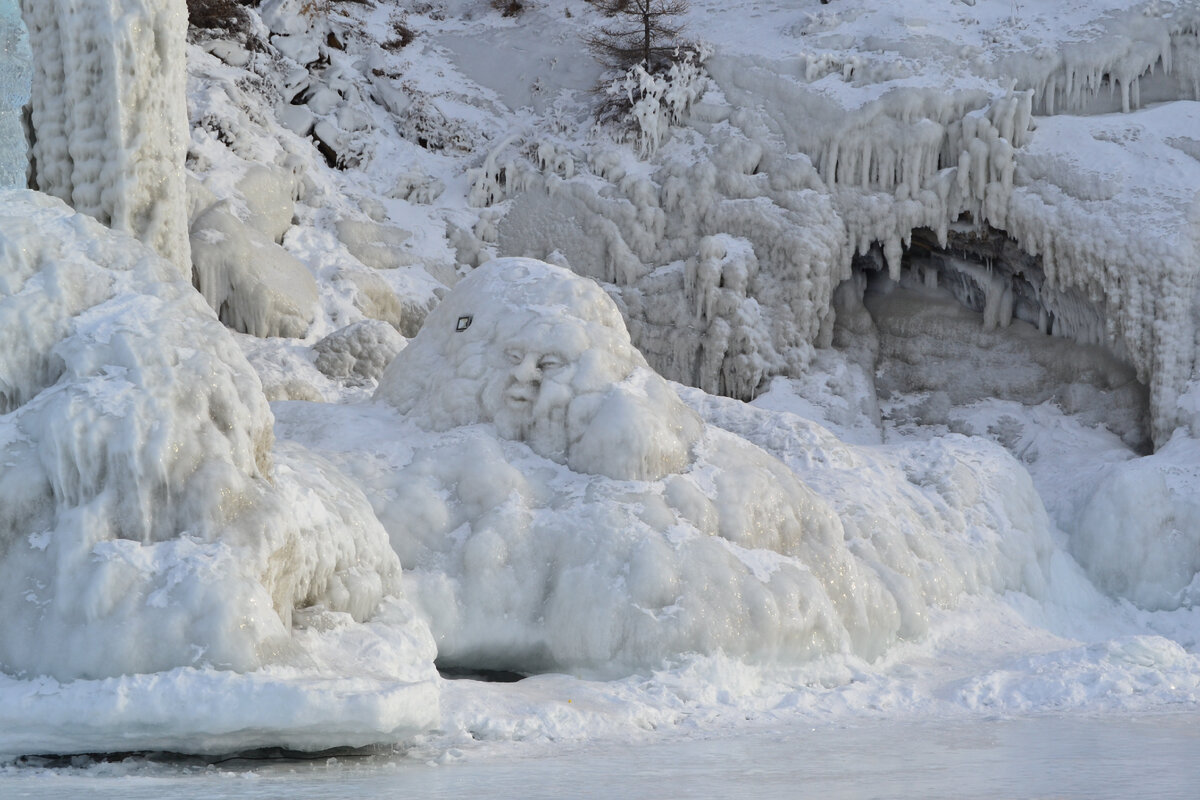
(514,356)
(550,363)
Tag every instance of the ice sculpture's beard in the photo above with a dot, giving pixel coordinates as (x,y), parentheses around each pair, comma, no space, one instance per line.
(536,414)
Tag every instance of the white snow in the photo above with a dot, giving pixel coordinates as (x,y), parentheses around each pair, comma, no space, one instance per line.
(946,247)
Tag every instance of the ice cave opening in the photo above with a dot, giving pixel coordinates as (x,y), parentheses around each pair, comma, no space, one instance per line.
(976,320)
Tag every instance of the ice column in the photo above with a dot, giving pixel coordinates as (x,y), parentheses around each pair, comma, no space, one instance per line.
(109,113)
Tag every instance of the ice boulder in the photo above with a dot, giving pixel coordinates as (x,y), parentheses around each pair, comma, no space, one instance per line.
(545,356)
(359,352)
(1138,536)
(150,523)
(255,285)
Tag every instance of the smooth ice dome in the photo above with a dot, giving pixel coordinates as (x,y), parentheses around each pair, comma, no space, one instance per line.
(544,355)
(149,520)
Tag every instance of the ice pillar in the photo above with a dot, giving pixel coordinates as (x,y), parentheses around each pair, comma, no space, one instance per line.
(109,113)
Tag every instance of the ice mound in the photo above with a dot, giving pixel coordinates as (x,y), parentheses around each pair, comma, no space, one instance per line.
(1138,536)
(150,523)
(359,352)
(256,286)
(724,274)
(544,355)
(666,535)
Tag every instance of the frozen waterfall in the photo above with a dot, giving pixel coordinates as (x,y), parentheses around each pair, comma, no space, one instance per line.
(109,114)
(14,93)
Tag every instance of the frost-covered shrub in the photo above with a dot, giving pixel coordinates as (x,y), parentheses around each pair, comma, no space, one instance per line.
(650,103)
(508,8)
(417,186)
(149,520)
(225,15)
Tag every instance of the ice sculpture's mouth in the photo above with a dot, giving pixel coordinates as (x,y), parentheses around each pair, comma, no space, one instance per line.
(521,396)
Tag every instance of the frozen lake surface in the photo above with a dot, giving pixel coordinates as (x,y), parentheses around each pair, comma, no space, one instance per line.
(1046,756)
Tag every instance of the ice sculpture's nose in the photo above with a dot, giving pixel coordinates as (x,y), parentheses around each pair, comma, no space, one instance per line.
(526,370)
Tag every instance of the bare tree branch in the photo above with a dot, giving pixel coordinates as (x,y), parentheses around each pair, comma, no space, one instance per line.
(642,32)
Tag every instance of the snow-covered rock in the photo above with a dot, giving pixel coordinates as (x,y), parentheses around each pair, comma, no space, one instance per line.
(255,286)
(358,352)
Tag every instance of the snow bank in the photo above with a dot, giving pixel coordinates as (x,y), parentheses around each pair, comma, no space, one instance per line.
(149,522)
(109,114)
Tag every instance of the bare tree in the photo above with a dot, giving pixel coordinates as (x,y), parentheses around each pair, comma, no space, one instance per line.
(642,32)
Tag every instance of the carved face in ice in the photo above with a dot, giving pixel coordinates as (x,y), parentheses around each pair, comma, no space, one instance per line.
(544,355)
(529,388)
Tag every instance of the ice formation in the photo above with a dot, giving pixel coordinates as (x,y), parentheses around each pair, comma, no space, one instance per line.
(750,263)
(544,355)
(149,521)
(109,113)
(557,505)
(358,352)
(655,534)
(254,285)
(1138,535)
(15,69)
(811,158)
